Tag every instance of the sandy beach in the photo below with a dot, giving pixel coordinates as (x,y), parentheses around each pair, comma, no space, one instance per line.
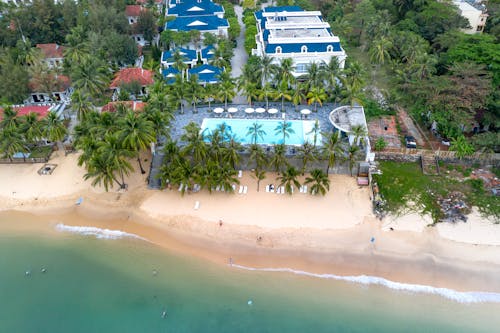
(331,234)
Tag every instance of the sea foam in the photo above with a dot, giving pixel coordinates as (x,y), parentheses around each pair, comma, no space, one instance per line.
(454,295)
(97,232)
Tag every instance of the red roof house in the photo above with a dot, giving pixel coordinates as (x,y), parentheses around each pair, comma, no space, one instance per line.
(41,110)
(51,50)
(133,11)
(128,75)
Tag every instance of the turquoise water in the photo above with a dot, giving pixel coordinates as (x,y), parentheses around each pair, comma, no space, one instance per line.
(239,127)
(103,285)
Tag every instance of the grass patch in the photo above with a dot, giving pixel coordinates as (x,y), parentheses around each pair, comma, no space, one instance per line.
(40,152)
(404,187)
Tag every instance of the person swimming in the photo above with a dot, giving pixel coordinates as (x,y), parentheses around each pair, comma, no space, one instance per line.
(164,314)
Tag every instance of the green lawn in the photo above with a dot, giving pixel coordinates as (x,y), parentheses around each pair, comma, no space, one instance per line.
(404,186)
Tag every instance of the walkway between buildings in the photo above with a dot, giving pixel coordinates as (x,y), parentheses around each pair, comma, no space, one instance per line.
(240,55)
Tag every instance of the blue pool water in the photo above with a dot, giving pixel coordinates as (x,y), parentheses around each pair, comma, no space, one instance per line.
(239,128)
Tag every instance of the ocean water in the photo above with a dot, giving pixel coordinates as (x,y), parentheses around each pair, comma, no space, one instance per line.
(109,281)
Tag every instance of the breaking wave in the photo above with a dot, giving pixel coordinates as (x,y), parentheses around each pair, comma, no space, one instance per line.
(97,232)
(454,295)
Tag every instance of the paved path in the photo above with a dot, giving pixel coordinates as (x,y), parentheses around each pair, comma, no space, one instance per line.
(240,55)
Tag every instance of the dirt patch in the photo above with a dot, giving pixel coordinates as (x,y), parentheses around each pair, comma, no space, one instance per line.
(386,128)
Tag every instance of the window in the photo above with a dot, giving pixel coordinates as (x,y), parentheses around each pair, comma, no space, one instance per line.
(303,49)
(301,68)
(329,48)
(278,49)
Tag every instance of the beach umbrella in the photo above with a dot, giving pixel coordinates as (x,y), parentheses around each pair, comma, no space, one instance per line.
(260,110)
(218,110)
(232,110)
(249,110)
(272,111)
(305,112)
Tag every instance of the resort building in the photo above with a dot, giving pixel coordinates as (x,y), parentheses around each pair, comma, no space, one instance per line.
(190,57)
(207,74)
(142,78)
(59,89)
(52,54)
(41,110)
(475,13)
(133,12)
(303,36)
(201,15)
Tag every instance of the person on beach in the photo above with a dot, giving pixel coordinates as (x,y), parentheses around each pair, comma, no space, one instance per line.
(230,261)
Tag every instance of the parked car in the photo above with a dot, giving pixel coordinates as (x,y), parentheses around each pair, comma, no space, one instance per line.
(410,142)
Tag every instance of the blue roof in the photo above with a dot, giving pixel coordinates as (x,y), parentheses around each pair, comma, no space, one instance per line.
(283,9)
(195,8)
(297,47)
(188,54)
(207,52)
(169,74)
(201,23)
(206,73)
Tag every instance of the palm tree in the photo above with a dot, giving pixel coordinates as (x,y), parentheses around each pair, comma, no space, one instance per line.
(316,95)
(351,93)
(331,149)
(179,63)
(99,168)
(183,174)
(226,88)
(10,119)
(178,89)
(298,95)
(160,120)
(218,59)
(249,88)
(209,94)
(255,131)
(331,73)
(31,128)
(379,51)
(359,132)
(90,75)
(282,92)
(352,151)
(315,130)
(320,182)
(257,155)
(11,142)
(279,160)
(259,175)
(289,178)
(314,79)
(137,133)
(53,128)
(116,155)
(81,104)
(284,128)
(195,146)
(227,177)
(193,90)
(265,92)
(266,69)
(216,140)
(307,153)
(230,154)
(284,72)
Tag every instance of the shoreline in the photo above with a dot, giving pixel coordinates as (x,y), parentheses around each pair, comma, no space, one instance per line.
(320,235)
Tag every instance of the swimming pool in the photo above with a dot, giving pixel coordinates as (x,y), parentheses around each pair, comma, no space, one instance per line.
(239,128)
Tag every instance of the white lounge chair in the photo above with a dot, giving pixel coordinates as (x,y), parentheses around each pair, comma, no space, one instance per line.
(305,189)
(181,187)
(196,205)
(267,188)
(240,173)
(217,188)
(241,190)
(245,189)
(282,189)
(234,187)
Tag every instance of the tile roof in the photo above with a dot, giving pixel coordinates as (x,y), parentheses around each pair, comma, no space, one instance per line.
(208,52)
(133,105)
(202,23)
(41,110)
(188,54)
(133,10)
(145,2)
(206,73)
(51,50)
(62,83)
(127,75)
(195,8)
